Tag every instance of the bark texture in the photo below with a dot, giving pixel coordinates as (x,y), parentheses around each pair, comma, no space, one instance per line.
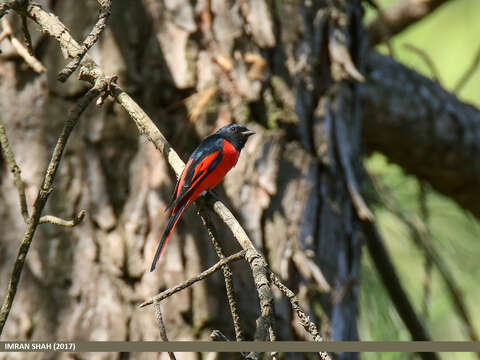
(423,128)
(289,69)
(93,276)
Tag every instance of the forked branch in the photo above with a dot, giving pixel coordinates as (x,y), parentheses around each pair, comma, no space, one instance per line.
(169,292)
(92,73)
(42,197)
(15,169)
(105,9)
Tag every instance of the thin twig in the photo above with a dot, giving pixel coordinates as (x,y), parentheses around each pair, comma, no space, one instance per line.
(61,222)
(161,325)
(467,75)
(169,292)
(308,325)
(21,50)
(15,169)
(40,202)
(265,323)
(428,61)
(90,40)
(227,273)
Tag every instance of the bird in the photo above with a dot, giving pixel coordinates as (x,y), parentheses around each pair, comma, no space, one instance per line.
(205,168)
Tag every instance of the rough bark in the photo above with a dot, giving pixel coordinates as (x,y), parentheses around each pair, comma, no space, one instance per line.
(423,128)
(94,274)
(295,188)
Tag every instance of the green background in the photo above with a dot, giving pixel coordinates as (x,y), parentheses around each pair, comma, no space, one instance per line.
(451,38)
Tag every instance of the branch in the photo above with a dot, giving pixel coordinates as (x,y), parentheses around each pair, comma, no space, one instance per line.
(51,25)
(42,197)
(302,315)
(265,323)
(257,264)
(468,74)
(10,157)
(399,17)
(92,73)
(161,325)
(428,61)
(21,50)
(61,222)
(256,261)
(227,273)
(89,41)
(400,300)
(423,128)
(169,292)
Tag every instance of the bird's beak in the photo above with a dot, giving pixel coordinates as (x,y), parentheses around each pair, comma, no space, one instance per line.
(248,132)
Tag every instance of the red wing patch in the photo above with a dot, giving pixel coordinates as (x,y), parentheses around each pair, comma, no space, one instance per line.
(202,168)
(189,185)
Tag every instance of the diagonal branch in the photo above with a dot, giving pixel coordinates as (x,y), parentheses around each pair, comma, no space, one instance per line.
(309,326)
(42,197)
(255,260)
(467,75)
(15,169)
(169,292)
(227,273)
(90,40)
(428,61)
(21,50)
(161,325)
(423,128)
(390,279)
(399,17)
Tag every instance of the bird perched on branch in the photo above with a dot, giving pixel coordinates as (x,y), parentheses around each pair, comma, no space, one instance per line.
(205,168)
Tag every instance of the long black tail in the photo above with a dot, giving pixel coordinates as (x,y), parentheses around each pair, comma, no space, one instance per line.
(166,235)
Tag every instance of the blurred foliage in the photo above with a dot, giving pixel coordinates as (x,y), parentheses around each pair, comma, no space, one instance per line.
(450,38)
